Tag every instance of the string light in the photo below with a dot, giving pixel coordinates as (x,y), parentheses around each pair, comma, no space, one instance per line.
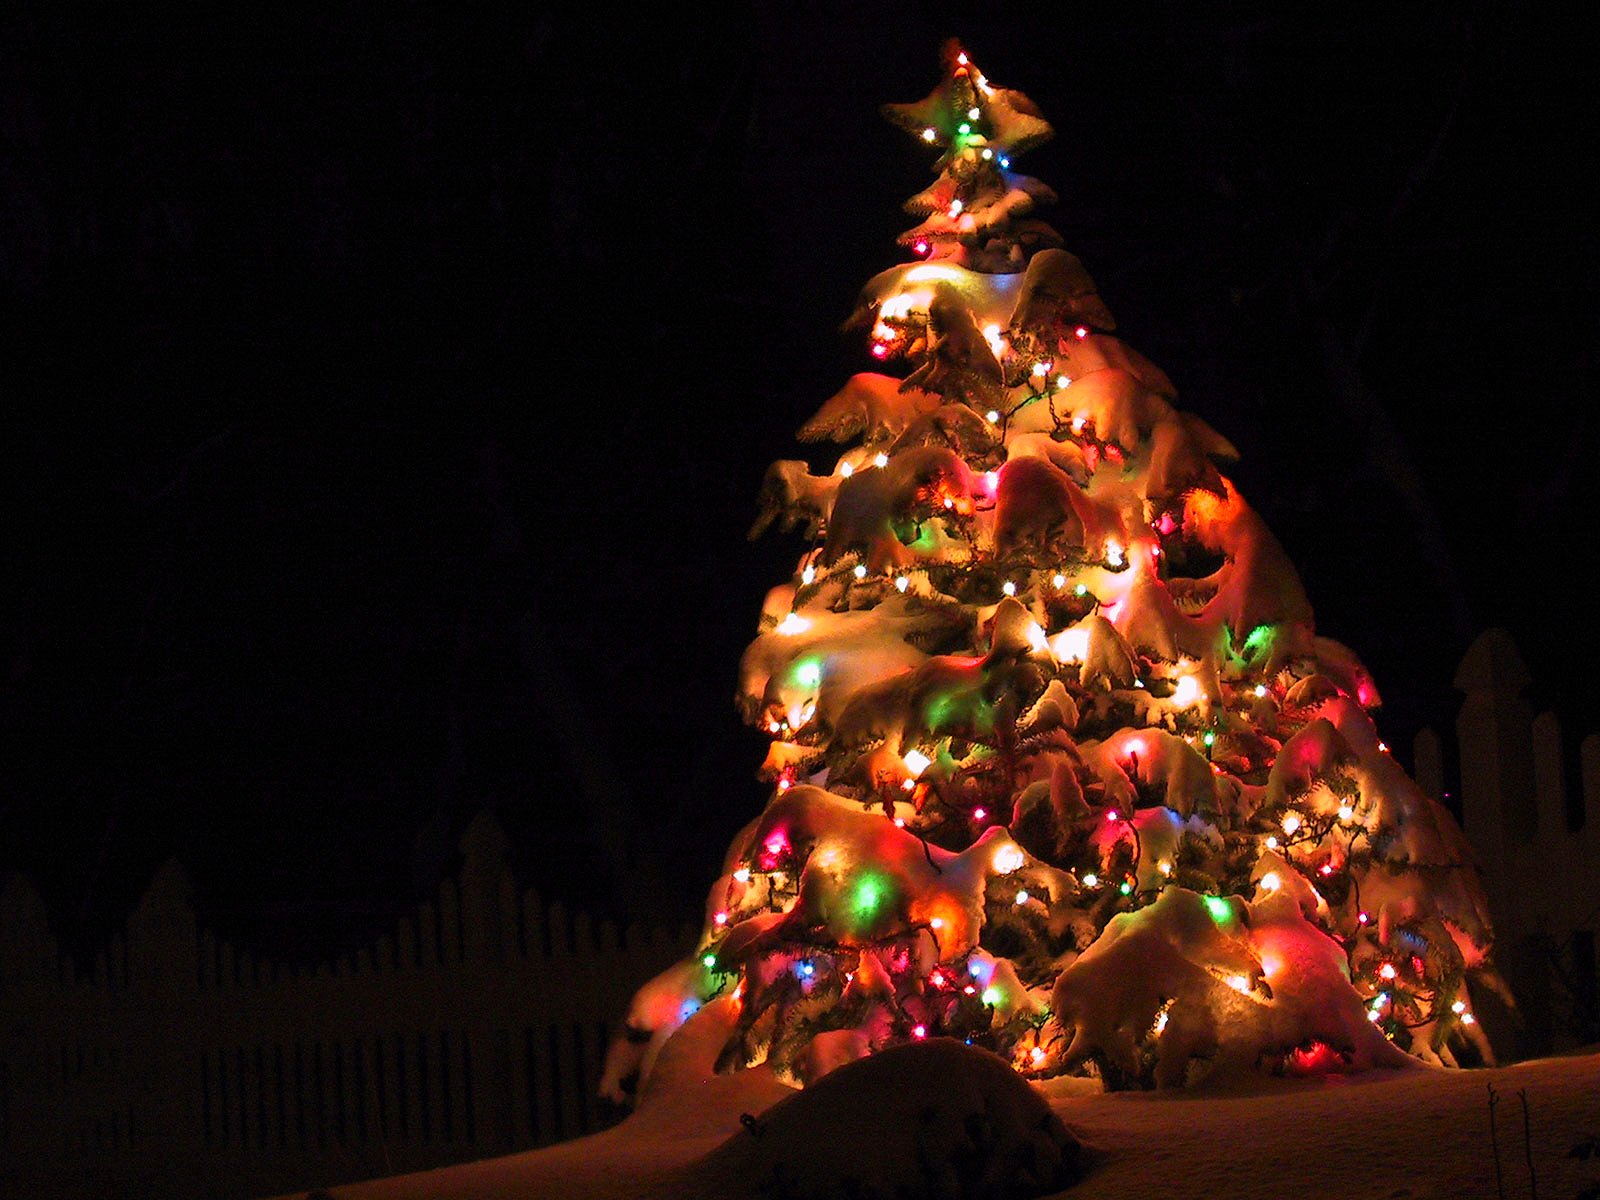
(930,135)
(793,623)
(860,571)
(1009,588)
(1291,823)
(1022,897)
(917,762)
(846,469)
(1058,580)
(1091,880)
(880,459)
(1007,859)
(901,583)
(808,575)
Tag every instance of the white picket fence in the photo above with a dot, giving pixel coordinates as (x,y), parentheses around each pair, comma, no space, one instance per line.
(184,1068)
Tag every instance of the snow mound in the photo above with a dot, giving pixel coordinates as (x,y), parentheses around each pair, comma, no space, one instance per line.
(931,1118)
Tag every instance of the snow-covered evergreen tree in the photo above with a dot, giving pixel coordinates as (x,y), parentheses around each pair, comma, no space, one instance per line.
(1060,766)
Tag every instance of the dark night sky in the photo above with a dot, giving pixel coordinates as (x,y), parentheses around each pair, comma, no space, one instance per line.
(395,387)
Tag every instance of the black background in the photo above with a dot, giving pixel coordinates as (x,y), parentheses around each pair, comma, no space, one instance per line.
(392,387)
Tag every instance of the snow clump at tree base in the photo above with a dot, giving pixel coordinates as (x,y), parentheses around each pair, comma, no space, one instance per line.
(1060,767)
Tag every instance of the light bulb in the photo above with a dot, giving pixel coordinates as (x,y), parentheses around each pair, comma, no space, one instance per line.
(901,583)
(793,623)
(930,135)
(1007,859)
(860,571)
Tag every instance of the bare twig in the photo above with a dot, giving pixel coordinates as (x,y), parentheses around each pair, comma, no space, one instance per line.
(1527,1145)
(1494,1143)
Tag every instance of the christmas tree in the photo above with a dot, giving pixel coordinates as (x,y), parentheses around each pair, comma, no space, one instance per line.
(1059,765)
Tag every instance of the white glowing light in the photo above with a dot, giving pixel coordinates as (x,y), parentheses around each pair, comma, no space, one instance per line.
(1037,1055)
(846,470)
(987,154)
(794,623)
(1007,859)
(808,575)
(901,583)
(1346,812)
(917,762)
(1272,843)
(1091,880)
(1161,1021)
(1036,638)
(860,571)
(929,135)
(1239,983)
(1374,1015)
(955,208)
(1062,382)
(1040,370)
(935,271)
(973,114)
(1468,1019)
(1078,423)
(1022,897)
(1058,580)
(1009,588)
(1071,645)
(991,334)
(1291,822)
(1164,867)
(1459,1007)
(1114,553)
(992,416)
(880,459)
(1270,882)
(1187,691)
(1261,689)
(742,875)
(936,923)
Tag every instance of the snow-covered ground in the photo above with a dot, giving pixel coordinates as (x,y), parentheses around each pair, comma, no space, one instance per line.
(907,1124)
